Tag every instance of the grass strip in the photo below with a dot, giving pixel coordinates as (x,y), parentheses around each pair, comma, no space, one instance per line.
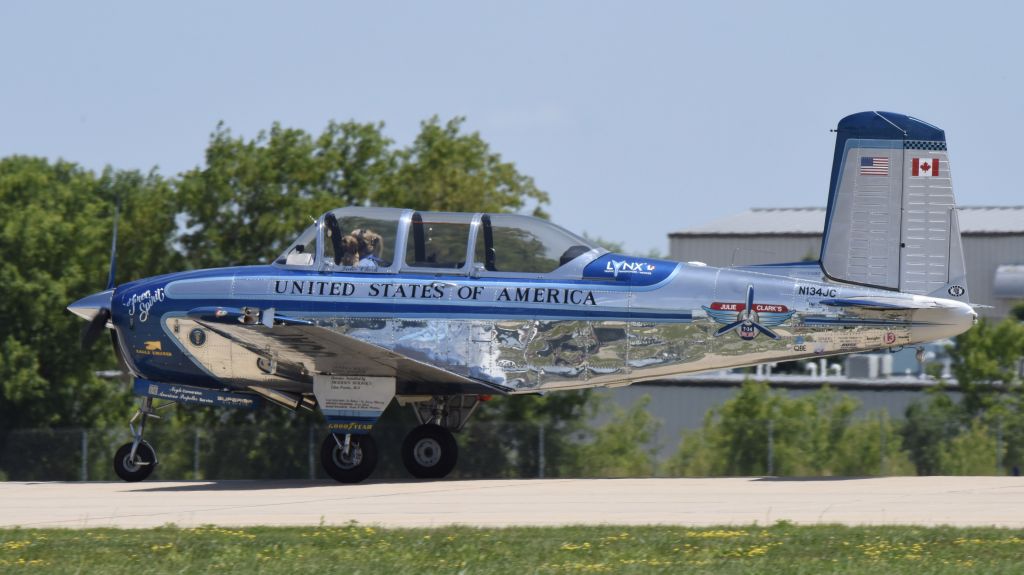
(363,549)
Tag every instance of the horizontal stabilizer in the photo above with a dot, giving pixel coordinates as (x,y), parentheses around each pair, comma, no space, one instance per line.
(879,303)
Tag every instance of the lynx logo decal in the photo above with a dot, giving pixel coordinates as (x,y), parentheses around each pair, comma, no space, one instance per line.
(749,318)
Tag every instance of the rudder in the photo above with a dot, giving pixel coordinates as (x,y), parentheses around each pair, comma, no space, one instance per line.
(891,220)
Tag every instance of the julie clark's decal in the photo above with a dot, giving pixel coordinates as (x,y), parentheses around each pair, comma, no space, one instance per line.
(748,319)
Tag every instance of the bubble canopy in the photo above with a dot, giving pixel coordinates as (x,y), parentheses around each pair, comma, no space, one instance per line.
(391,240)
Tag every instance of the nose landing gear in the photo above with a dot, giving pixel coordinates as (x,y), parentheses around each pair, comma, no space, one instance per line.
(136,460)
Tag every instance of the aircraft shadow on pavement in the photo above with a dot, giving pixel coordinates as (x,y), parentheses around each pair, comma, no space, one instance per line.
(260,484)
(815,478)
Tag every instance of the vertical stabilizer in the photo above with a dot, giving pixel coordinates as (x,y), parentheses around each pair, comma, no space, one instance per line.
(891,220)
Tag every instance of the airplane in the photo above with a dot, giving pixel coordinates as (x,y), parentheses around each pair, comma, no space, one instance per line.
(441,311)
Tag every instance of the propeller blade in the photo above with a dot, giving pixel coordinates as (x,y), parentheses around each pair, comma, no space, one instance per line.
(113,245)
(726,329)
(750,300)
(96,326)
(766,331)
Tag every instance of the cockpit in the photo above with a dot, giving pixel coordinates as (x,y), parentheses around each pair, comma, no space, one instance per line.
(391,240)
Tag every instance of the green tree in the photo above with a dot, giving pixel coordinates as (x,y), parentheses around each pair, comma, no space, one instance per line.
(985,362)
(445,169)
(973,451)
(734,438)
(623,447)
(504,438)
(928,425)
(619,248)
(1018,311)
(253,197)
(811,435)
(808,431)
(55,238)
(871,446)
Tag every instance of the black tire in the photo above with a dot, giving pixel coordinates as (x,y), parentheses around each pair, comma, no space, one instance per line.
(140,468)
(357,466)
(430,452)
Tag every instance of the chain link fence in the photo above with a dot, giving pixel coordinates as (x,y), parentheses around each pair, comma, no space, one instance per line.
(486,450)
(253,452)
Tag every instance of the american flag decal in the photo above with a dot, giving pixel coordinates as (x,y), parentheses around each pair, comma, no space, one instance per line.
(874,166)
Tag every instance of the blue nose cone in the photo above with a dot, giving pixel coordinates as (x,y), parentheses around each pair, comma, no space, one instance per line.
(87,307)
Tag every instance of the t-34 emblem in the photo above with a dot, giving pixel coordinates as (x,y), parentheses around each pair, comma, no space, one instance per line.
(748,318)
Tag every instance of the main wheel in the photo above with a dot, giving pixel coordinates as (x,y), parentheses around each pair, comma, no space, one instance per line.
(430,451)
(135,469)
(351,468)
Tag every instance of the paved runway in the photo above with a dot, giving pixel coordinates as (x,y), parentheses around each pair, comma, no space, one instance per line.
(738,501)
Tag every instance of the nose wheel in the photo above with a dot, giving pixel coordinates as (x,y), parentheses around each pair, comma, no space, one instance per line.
(135,467)
(429,452)
(348,458)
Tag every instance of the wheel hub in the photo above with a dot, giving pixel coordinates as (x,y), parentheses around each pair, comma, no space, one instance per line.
(130,464)
(427,452)
(353,459)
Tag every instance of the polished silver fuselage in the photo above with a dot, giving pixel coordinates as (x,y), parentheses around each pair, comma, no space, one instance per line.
(524,336)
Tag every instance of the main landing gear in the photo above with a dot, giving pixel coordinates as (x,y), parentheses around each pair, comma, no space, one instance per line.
(135,460)
(429,451)
(348,458)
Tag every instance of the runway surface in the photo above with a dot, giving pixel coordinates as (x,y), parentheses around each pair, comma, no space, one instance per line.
(976,501)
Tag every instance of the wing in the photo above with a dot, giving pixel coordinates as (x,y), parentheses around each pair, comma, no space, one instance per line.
(304,347)
(773,318)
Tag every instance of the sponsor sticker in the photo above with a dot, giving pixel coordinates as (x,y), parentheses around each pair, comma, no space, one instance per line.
(616,267)
(352,403)
(153,348)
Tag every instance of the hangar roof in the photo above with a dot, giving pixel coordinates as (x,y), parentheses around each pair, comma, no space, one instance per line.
(977,220)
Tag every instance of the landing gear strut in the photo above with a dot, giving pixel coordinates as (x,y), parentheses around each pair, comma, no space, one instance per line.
(348,458)
(135,460)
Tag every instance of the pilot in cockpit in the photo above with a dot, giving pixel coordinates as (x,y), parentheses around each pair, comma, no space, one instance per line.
(349,251)
(370,247)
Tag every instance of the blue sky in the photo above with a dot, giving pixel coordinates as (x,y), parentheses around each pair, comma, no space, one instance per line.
(639,118)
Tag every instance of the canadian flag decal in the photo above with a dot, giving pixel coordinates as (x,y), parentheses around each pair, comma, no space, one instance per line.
(924,167)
